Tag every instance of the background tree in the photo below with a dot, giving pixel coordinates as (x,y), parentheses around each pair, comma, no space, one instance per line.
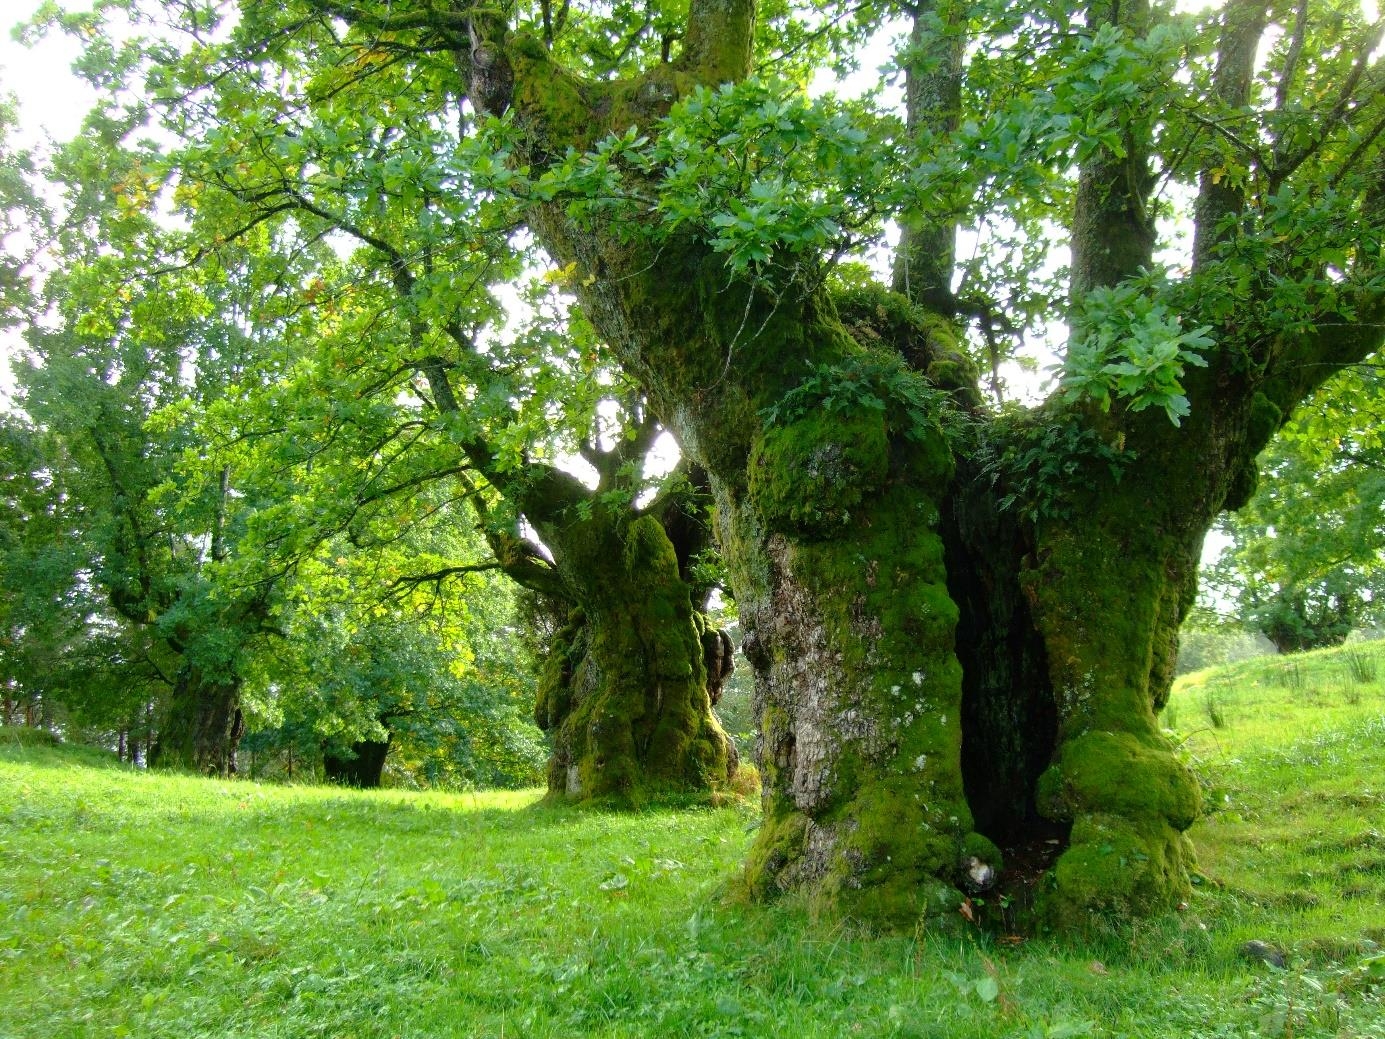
(131,339)
(384,657)
(1306,563)
(627,692)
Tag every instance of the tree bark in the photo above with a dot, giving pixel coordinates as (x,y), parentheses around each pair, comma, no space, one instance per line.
(201,725)
(831,528)
(625,692)
(362,768)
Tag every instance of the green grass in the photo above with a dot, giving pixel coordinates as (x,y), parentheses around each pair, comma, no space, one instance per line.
(1269,702)
(153,905)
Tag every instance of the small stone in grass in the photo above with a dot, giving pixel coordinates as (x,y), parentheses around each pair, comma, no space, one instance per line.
(1264,952)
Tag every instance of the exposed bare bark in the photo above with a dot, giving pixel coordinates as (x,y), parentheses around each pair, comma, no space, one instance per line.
(1221,193)
(927,250)
(1112,227)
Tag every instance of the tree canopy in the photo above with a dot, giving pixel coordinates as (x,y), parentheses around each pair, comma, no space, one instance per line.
(1306,562)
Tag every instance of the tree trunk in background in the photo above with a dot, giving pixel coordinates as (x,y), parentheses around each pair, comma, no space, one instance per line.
(201,725)
(625,690)
(362,768)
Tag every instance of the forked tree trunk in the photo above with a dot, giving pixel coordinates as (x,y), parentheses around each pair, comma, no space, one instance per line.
(201,725)
(857,557)
(625,690)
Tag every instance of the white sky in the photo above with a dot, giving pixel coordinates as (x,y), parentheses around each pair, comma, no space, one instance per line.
(51,99)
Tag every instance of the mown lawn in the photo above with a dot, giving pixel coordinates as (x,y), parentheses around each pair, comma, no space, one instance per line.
(153,905)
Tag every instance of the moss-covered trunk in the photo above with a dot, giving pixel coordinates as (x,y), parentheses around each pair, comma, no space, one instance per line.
(1108,592)
(201,725)
(831,427)
(625,693)
(859,695)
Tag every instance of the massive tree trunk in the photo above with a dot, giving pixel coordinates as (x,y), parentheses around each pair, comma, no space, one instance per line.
(831,528)
(938,669)
(361,767)
(201,725)
(626,692)
(627,688)
(836,525)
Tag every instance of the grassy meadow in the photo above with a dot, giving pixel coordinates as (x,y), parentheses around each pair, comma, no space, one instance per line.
(148,905)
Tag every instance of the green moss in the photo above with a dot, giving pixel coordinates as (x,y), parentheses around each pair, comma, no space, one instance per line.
(898,818)
(1108,591)
(1116,866)
(976,845)
(624,691)
(1265,419)
(567,111)
(779,841)
(898,848)
(810,474)
(1244,482)
(958,375)
(1121,773)
(875,315)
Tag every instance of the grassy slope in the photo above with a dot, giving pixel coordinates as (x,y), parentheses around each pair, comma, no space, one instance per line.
(151,906)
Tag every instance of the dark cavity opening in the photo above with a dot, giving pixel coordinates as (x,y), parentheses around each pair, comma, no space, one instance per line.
(1009,717)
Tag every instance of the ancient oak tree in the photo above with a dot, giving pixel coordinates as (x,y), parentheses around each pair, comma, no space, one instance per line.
(961,618)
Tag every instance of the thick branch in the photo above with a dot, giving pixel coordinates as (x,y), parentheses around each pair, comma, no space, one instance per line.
(1112,229)
(933,102)
(1300,365)
(718,43)
(1221,196)
(437,577)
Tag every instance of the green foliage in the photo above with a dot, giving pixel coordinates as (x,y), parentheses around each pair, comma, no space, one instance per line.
(1132,348)
(1036,466)
(23,215)
(865,382)
(1306,562)
(772,174)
